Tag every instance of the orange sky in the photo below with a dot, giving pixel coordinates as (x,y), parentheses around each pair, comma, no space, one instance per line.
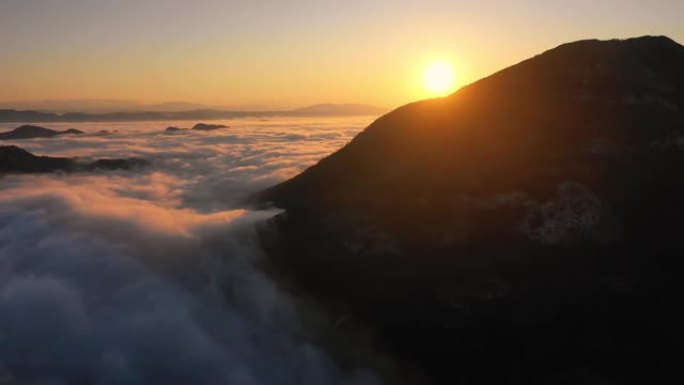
(268,53)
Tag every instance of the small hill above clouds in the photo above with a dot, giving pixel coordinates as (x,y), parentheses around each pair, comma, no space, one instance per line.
(523,230)
(30,132)
(16,160)
(207,127)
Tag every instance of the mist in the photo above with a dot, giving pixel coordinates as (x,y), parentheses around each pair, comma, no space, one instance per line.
(152,276)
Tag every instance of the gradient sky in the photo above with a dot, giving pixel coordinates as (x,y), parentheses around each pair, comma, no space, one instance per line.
(284,53)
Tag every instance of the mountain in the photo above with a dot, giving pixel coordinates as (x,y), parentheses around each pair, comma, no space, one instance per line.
(207,127)
(101,106)
(30,132)
(84,105)
(174,107)
(16,116)
(339,110)
(525,229)
(173,112)
(15,160)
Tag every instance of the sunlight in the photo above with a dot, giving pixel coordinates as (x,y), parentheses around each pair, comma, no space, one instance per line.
(439,79)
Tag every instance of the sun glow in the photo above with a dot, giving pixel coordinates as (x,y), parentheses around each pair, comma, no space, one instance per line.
(439,79)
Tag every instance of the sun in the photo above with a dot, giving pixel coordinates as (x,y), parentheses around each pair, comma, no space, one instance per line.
(439,79)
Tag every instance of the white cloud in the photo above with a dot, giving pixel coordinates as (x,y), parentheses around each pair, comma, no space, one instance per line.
(216,169)
(149,277)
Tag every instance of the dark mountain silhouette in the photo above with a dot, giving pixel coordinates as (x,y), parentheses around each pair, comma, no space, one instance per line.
(207,127)
(174,129)
(15,116)
(16,160)
(106,132)
(196,127)
(525,229)
(30,132)
(126,164)
(83,105)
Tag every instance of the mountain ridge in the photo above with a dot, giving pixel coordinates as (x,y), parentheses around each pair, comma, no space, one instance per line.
(24,116)
(16,160)
(524,227)
(29,132)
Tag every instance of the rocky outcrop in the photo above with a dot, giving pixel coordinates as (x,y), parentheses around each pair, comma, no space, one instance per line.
(521,229)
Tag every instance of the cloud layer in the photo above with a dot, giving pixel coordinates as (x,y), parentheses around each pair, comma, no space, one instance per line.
(150,278)
(215,168)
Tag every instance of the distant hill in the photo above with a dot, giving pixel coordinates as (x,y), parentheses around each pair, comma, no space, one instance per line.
(524,230)
(175,107)
(207,127)
(15,160)
(339,110)
(30,132)
(23,116)
(101,106)
(17,116)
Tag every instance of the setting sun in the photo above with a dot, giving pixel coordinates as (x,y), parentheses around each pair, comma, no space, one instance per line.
(438,78)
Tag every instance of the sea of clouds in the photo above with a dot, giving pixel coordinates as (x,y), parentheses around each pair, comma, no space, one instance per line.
(151,276)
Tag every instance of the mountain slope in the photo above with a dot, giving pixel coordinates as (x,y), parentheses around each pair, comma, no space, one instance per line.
(522,230)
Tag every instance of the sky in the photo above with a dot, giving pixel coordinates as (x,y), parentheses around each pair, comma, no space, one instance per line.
(287,53)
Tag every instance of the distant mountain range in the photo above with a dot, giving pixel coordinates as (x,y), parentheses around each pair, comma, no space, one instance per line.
(15,116)
(102,106)
(328,109)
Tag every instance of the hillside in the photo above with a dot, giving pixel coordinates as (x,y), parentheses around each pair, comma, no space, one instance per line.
(523,230)
(31,132)
(16,160)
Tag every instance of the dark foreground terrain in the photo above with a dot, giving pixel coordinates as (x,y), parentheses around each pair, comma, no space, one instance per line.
(525,230)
